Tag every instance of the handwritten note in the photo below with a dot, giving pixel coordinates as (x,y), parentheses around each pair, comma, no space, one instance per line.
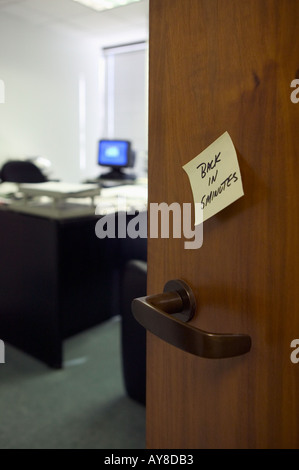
(215,177)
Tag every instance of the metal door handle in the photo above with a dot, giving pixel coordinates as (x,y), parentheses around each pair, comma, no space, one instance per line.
(165,315)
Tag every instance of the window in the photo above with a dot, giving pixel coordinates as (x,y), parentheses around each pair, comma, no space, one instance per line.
(126,98)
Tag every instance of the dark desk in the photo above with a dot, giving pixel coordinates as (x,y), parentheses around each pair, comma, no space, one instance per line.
(56,279)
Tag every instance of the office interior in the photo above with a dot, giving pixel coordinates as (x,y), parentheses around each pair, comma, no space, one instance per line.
(72,364)
(71,76)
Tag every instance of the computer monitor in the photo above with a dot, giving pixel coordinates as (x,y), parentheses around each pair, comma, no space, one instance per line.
(116,154)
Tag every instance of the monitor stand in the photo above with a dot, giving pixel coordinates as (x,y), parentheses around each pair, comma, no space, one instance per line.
(118,175)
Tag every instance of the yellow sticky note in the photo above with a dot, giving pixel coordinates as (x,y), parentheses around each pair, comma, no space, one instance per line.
(215,177)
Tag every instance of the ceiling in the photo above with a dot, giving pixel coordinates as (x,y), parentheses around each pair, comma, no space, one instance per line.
(129,23)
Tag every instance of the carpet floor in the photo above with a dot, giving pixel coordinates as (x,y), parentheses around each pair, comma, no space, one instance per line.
(82,406)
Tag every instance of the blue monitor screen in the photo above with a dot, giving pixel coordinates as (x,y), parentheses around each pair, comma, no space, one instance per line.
(114,153)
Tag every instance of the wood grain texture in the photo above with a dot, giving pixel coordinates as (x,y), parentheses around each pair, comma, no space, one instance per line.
(219,66)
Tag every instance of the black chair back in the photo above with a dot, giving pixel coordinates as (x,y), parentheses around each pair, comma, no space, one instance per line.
(18,171)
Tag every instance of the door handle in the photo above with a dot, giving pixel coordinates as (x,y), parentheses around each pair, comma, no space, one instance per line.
(166,316)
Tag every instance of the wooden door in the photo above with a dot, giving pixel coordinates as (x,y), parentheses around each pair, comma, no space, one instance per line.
(216,66)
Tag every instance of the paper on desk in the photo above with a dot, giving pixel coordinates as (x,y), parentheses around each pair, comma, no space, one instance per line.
(126,198)
(215,177)
(8,189)
(59,187)
(126,191)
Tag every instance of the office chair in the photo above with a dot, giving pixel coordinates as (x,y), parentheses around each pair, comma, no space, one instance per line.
(19,171)
(133,280)
(133,335)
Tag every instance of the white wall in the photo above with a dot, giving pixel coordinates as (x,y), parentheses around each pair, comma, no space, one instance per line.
(41,69)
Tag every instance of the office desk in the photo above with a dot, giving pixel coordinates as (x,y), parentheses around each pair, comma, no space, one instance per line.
(56,279)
